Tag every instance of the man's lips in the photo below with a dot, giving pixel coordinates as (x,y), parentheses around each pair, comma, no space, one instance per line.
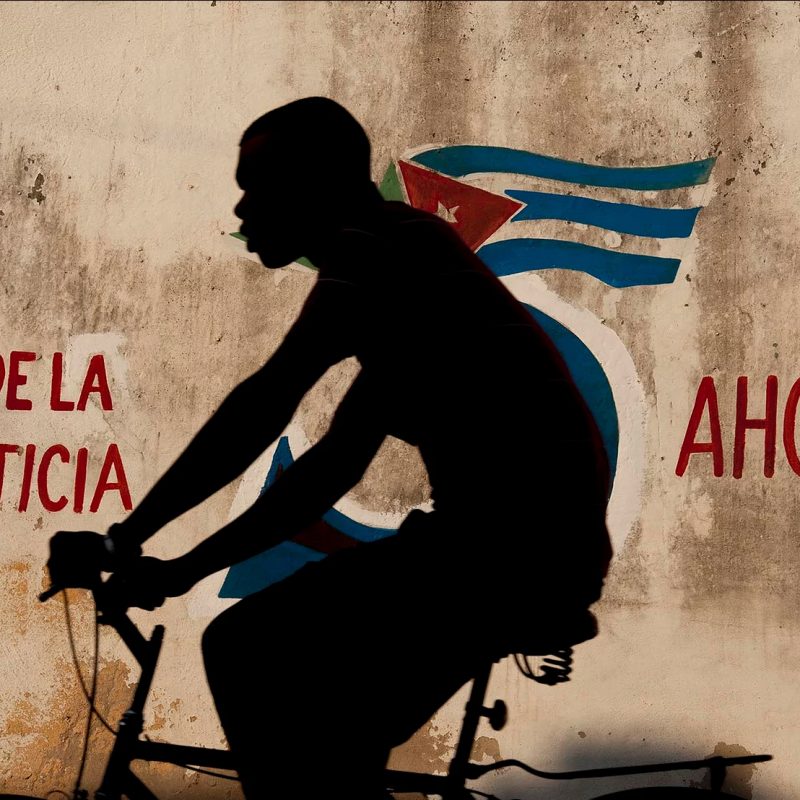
(250,240)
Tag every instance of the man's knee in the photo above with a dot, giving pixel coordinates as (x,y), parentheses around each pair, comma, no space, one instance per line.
(216,633)
(223,638)
(213,645)
(241,636)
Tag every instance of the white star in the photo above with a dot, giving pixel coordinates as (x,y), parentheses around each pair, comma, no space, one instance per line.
(447,214)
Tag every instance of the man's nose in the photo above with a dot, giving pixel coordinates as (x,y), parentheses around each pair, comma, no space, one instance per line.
(241,206)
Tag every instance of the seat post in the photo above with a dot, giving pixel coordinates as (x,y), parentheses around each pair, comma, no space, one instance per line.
(473,712)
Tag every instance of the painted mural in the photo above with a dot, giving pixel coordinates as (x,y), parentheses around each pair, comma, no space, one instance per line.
(459,184)
(628,169)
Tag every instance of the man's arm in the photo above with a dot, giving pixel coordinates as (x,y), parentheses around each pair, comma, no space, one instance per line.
(303,493)
(250,418)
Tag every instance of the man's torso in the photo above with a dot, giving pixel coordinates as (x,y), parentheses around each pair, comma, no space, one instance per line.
(462,371)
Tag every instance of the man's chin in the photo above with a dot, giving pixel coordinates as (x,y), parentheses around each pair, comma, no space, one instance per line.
(273,260)
(275,264)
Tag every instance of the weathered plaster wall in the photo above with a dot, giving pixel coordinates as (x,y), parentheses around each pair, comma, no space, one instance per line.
(119,125)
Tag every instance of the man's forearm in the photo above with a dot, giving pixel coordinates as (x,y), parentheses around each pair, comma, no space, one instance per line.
(223,448)
(303,493)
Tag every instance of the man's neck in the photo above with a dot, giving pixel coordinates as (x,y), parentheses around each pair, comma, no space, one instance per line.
(358,209)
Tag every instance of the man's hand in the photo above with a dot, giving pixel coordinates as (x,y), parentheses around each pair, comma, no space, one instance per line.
(146,582)
(76,559)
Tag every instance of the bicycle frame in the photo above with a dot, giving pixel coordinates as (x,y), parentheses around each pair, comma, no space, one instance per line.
(119,780)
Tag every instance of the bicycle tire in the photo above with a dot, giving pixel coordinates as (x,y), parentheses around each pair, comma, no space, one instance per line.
(667,793)
(20,797)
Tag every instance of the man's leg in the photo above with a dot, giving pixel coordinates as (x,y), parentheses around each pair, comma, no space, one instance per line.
(295,685)
(316,678)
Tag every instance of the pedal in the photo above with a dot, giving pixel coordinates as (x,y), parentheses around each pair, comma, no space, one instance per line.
(497,715)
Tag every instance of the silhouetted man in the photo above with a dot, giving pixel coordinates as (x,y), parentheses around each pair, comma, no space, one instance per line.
(317,677)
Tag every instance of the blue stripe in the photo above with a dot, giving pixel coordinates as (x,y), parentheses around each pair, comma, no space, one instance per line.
(357,530)
(281,459)
(284,458)
(590,379)
(266,568)
(616,269)
(286,558)
(459,160)
(661,223)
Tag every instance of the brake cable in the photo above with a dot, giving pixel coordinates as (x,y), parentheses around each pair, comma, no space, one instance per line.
(90,695)
(76,663)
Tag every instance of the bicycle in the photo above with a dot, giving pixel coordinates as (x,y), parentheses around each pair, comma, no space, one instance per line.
(555,645)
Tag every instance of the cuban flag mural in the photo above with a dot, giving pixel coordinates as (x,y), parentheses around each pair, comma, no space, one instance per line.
(498,199)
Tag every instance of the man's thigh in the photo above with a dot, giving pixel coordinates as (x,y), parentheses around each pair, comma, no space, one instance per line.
(372,629)
(333,594)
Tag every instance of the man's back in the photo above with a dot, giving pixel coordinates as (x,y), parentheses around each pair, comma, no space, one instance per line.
(460,369)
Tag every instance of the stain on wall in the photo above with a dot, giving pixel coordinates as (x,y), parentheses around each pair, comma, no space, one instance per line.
(118,140)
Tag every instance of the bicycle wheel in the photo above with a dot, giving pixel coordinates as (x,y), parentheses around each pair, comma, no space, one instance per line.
(19,797)
(667,793)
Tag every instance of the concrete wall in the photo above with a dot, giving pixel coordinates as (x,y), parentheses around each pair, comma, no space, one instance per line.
(119,126)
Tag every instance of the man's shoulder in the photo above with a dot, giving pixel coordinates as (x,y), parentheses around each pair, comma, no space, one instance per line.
(405,221)
(394,222)
(399,213)
(407,238)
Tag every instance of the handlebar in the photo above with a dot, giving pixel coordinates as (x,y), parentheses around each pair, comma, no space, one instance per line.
(113,613)
(107,603)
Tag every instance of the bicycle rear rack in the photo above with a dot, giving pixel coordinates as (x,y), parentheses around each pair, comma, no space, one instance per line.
(453,785)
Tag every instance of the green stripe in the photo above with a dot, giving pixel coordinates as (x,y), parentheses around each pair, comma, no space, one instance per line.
(390,185)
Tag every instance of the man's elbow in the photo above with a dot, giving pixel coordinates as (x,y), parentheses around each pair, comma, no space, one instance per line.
(259,408)
(344,462)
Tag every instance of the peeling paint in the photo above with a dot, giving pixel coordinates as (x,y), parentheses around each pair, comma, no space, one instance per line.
(114,208)
(738,779)
(428,750)
(36,190)
(485,747)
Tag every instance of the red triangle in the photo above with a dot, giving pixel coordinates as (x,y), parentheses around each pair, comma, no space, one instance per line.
(324,538)
(320,535)
(475,213)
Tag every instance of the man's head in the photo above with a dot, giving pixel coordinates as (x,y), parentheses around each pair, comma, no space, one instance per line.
(299,166)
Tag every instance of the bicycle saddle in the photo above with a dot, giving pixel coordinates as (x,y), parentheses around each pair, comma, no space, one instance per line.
(553,633)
